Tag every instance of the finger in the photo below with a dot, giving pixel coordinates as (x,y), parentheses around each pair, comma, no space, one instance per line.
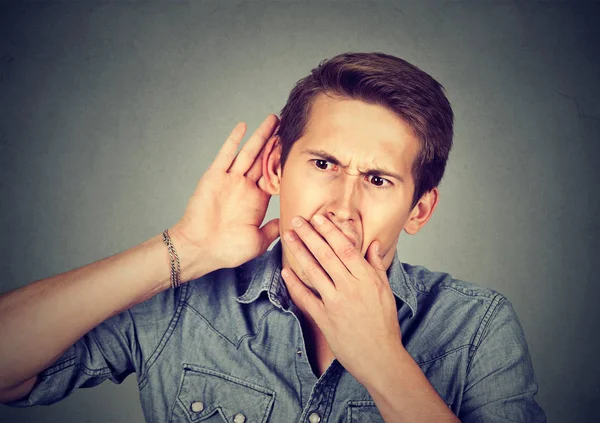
(270,231)
(262,184)
(325,255)
(247,155)
(314,272)
(305,298)
(255,171)
(376,259)
(345,251)
(226,154)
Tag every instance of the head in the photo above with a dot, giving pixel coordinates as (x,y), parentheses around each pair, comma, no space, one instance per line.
(363,140)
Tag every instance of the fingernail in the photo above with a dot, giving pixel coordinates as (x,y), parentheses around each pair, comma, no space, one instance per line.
(318,219)
(296,221)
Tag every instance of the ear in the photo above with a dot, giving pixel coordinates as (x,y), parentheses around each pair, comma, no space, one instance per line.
(270,181)
(422,212)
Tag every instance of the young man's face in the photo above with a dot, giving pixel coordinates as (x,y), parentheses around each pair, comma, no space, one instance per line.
(364,206)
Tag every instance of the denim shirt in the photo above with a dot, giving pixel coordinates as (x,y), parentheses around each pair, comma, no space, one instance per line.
(228,347)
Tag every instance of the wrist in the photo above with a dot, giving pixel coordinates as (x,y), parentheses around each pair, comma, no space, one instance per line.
(387,368)
(192,259)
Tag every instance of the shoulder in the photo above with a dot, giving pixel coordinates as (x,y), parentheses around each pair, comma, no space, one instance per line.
(431,282)
(460,312)
(472,333)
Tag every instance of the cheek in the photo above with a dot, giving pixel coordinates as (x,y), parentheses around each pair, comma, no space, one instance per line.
(301,195)
(379,224)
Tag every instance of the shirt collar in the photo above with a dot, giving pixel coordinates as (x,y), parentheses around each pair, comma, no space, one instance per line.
(267,277)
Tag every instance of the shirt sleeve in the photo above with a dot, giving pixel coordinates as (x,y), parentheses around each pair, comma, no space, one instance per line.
(112,350)
(501,384)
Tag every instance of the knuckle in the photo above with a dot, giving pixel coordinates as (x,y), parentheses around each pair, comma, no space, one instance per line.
(243,152)
(261,138)
(336,303)
(326,229)
(348,251)
(306,296)
(313,268)
(328,254)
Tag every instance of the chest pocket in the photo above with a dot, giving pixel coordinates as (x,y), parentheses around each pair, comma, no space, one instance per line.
(207,395)
(363,412)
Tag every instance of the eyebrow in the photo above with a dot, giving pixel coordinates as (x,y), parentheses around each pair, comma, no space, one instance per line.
(377,171)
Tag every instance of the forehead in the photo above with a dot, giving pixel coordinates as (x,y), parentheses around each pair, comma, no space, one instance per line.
(358,132)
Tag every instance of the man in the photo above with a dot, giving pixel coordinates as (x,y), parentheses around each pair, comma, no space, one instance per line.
(327,326)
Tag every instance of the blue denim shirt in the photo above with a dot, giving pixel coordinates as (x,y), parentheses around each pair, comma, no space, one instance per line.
(229,347)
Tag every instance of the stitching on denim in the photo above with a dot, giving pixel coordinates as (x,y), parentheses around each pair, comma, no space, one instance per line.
(233,379)
(269,408)
(449,285)
(143,379)
(229,378)
(410,284)
(68,362)
(55,369)
(353,405)
(296,362)
(235,344)
(260,326)
(333,386)
(487,318)
(415,284)
(95,372)
(190,307)
(72,362)
(462,347)
(214,410)
(95,341)
(471,293)
(77,367)
(521,394)
(253,287)
(360,403)
(178,393)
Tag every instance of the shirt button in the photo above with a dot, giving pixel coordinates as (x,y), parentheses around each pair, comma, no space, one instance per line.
(239,418)
(197,406)
(314,418)
(299,352)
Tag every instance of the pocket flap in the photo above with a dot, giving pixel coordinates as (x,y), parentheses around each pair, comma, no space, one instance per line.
(364,411)
(204,392)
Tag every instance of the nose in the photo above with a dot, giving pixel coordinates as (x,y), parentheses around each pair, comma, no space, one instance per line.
(345,198)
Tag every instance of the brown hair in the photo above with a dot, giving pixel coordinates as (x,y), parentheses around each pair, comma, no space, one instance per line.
(385,80)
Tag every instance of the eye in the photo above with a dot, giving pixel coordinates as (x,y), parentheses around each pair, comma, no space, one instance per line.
(377,181)
(380,182)
(321,164)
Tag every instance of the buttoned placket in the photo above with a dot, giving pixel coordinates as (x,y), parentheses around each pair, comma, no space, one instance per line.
(321,393)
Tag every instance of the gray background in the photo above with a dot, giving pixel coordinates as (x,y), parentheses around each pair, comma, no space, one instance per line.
(111,112)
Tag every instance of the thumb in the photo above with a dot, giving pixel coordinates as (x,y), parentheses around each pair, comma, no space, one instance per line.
(262,184)
(374,257)
(270,232)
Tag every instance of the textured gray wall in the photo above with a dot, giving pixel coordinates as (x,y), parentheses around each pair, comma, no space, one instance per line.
(111,112)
